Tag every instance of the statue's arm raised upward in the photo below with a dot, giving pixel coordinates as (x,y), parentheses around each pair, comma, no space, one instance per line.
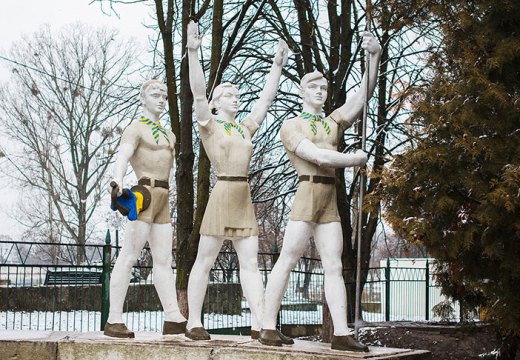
(351,110)
(197,81)
(259,110)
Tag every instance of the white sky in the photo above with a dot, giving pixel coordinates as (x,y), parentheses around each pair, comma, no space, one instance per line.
(27,16)
(19,17)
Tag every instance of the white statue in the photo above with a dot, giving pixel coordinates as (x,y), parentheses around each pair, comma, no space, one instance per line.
(311,143)
(229,213)
(150,150)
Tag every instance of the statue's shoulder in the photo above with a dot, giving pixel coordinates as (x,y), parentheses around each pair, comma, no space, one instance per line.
(171,135)
(134,128)
(135,124)
(291,123)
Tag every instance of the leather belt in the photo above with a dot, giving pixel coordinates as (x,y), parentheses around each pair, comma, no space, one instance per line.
(154,183)
(317,179)
(232,178)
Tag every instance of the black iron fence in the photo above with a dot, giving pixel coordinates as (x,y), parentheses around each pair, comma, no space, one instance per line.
(41,288)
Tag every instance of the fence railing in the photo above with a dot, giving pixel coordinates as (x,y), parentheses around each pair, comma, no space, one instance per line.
(63,296)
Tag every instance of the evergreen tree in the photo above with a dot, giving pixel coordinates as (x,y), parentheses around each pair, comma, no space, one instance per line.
(457,189)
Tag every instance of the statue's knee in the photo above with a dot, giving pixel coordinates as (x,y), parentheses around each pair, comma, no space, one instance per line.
(126,263)
(163,263)
(333,270)
(202,266)
(250,265)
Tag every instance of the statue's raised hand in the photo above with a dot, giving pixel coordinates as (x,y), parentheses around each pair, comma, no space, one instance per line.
(370,43)
(282,53)
(193,40)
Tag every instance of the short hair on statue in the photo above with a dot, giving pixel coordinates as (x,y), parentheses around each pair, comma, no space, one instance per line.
(153,82)
(312,76)
(217,93)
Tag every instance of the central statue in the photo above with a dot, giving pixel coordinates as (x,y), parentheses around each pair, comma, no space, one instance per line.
(229,213)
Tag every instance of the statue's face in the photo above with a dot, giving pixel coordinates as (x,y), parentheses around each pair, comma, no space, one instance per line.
(229,101)
(155,98)
(314,92)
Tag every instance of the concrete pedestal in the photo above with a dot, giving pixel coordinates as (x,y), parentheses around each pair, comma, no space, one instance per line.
(40,345)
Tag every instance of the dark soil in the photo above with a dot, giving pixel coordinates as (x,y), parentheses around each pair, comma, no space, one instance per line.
(446,342)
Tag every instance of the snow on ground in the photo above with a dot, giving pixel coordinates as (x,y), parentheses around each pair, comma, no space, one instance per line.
(137,321)
(83,320)
(495,354)
(48,320)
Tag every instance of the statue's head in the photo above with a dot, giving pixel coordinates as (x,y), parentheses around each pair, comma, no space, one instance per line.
(313,89)
(154,96)
(226,97)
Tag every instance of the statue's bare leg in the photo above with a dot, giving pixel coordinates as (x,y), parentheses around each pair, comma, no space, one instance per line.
(209,247)
(160,241)
(295,241)
(250,278)
(329,242)
(136,234)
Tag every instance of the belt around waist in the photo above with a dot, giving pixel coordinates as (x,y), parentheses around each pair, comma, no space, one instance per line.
(154,183)
(232,178)
(317,179)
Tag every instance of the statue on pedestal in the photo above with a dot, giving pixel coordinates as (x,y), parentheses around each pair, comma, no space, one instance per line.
(311,141)
(149,148)
(229,213)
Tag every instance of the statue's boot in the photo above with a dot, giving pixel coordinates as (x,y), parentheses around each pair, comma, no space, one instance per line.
(118,330)
(269,337)
(197,333)
(347,343)
(286,340)
(172,328)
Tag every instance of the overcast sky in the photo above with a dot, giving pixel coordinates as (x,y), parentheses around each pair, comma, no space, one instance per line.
(19,17)
(27,16)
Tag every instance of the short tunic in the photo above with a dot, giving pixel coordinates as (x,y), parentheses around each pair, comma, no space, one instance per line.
(152,160)
(229,212)
(313,202)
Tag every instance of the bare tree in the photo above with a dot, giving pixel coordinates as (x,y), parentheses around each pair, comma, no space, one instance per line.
(64,108)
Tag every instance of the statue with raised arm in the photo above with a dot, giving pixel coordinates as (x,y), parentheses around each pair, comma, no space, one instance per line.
(149,148)
(311,141)
(229,213)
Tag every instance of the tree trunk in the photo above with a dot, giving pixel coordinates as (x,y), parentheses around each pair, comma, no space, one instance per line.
(508,346)
(82,231)
(327,329)
(184,176)
(182,300)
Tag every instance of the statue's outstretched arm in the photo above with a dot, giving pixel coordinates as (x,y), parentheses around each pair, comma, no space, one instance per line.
(329,158)
(197,81)
(259,110)
(353,107)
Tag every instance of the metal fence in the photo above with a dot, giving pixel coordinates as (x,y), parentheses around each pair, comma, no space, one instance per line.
(62,296)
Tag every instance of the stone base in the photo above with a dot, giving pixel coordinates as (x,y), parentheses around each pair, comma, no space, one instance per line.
(47,345)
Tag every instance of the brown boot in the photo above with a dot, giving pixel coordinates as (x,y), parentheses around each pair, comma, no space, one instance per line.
(197,333)
(269,337)
(347,343)
(286,340)
(172,328)
(118,330)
